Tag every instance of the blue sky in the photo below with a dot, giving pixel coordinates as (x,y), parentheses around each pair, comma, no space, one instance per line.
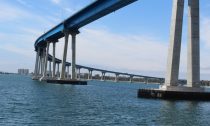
(133,39)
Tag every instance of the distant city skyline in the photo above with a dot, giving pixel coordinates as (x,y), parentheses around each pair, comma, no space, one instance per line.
(134,39)
(23,71)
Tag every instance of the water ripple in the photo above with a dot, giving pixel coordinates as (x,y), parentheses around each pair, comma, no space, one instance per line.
(27,102)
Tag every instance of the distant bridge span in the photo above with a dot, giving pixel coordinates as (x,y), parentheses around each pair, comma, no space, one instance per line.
(103,72)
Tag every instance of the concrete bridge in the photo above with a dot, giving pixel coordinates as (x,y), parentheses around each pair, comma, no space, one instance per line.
(101,8)
(71,27)
(55,72)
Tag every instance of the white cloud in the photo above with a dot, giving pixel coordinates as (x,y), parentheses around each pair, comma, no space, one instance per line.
(138,54)
(30,31)
(56,1)
(10,13)
(24,3)
(107,50)
(24,38)
(205,31)
(18,38)
(18,50)
(69,10)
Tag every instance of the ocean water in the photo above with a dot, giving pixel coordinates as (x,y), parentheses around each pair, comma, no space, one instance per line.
(32,103)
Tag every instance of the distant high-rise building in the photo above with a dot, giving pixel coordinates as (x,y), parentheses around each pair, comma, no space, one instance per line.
(23,71)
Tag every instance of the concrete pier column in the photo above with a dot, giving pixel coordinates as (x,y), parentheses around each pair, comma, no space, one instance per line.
(102,76)
(67,71)
(172,72)
(161,81)
(116,77)
(66,33)
(193,53)
(73,66)
(50,71)
(89,74)
(131,79)
(46,58)
(58,71)
(53,60)
(37,62)
(145,80)
(45,61)
(39,65)
(42,63)
(78,73)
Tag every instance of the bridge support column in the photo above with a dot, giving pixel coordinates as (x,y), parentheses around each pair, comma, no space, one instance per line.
(102,76)
(50,71)
(67,71)
(161,81)
(73,70)
(53,59)
(78,76)
(193,60)
(45,62)
(41,62)
(175,43)
(146,80)
(116,77)
(66,33)
(37,62)
(58,71)
(131,79)
(89,74)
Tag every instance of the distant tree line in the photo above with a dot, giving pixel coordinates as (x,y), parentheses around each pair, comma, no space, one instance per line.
(205,83)
(5,72)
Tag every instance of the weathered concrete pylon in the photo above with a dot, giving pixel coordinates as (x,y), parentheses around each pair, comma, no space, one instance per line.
(193,61)
(66,35)
(172,72)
